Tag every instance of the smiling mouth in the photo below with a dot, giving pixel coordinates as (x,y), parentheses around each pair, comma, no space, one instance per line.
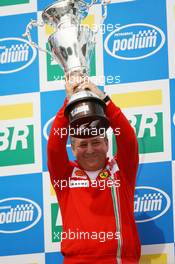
(92,157)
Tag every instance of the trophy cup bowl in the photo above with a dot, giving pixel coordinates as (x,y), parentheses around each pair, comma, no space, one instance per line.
(72,45)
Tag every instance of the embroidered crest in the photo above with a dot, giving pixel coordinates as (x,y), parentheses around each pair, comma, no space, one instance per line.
(79,173)
(104,174)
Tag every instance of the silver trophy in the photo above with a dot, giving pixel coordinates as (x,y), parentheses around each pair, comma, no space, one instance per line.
(72,45)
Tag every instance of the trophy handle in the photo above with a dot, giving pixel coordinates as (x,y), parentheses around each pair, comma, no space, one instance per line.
(104,5)
(30,25)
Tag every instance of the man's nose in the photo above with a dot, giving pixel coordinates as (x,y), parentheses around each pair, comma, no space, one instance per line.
(90,148)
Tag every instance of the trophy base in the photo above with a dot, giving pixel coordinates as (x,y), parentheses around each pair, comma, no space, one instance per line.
(86,117)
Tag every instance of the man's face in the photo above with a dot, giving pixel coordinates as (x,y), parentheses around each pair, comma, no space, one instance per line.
(90,152)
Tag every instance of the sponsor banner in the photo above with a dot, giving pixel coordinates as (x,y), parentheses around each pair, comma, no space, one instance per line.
(21,219)
(18,59)
(136,48)
(162,253)
(10,7)
(52,216)
(146,105)
(20,147)
(54,257)
(24,259)
(153,203)
(50,104)
(52,74)
(172,100)
(170,5)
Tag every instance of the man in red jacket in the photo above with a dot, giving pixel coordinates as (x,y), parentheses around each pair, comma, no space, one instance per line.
(95,194)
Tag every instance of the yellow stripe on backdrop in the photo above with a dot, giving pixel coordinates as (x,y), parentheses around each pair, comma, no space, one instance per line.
(154,259)
(136,99)
(89,20)
(16,111)
(52,191)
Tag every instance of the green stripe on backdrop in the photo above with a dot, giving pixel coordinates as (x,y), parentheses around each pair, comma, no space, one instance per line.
(13,2)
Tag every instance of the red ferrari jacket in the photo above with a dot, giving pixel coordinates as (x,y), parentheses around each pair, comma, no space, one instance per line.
(98,222)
